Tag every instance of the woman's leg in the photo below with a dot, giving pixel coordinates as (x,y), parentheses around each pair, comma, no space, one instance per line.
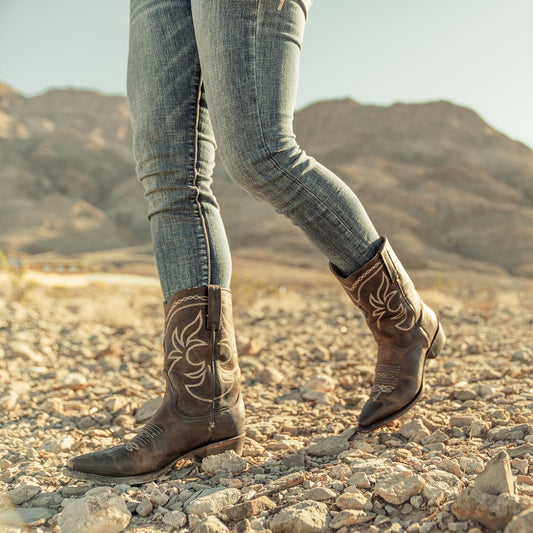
(202,411)
(249,54)
(249,51)
(174,147)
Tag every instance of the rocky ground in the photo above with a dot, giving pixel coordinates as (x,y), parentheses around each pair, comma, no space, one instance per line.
(80,369)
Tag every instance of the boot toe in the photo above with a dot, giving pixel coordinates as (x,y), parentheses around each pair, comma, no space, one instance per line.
(372,413)
(92,463)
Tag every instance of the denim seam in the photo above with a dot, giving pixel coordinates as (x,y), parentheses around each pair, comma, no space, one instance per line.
(195,178)
(268,152)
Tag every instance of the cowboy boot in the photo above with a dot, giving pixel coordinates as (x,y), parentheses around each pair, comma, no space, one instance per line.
(202,412)
(406,331)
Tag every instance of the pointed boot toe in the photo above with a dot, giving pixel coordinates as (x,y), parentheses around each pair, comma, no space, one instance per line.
(371,414)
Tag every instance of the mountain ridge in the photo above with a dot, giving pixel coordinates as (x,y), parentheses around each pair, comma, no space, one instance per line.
(450,190)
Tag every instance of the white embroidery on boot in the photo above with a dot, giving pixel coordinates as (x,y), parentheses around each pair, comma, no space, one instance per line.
(381,302)
(148,432)
(363,276)
(385,380)
(184,342)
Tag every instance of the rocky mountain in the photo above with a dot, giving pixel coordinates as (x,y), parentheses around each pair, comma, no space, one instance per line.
(449,190)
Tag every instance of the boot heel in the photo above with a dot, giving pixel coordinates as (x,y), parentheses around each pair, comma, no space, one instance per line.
(236,444)
(437,344)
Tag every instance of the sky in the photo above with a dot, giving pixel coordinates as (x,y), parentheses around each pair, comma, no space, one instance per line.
(475,53)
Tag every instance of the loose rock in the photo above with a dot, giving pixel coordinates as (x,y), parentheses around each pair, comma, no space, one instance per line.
(175,519)
(101,511)
(225,463)
(304,517)
(349,518)
(249,508)
(213,501)
(398,487)
(521,523)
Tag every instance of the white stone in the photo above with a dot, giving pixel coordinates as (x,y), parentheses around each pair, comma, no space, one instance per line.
(213,501)
(175,519)
(328,446)
(304,517)
(210,524)
(414,430)
(439,486)
(102,511)
(145,507)
(354,500)
(522,523)
(23,493)
(157,497)
(225,463)
(23,516)
(339,471)
(320,494)
(492,511)
(491,500)
(270,376)
(398,487)
(496,477)
(350,517)
(319,383)
(360,480)
(435,437)
(59,445)
(74,380)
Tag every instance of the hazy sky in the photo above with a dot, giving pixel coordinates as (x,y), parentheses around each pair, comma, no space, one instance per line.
(476,53)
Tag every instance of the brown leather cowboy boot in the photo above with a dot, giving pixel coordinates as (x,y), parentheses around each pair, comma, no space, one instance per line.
(406,330)
(202,411)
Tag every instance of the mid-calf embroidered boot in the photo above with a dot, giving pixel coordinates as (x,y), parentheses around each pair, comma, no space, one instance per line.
(202,412)
(406,331)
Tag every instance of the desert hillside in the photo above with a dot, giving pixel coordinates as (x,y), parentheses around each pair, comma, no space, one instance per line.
(449,190)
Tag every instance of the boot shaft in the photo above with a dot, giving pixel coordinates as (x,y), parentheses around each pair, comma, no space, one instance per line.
(200,351)
(383,290)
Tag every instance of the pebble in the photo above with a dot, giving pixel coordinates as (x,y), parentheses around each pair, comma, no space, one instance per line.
(521,523)
(100,511)
(328,446)
(354,500)
(398,487)
(270,376)
(175,519)
(249,508)
(320,494)
(23,493)
(210,524)
(349,518)
(491,500)
(225,463)
(24,516)
(213,501)
(304,517)
(360,480)
(145,507)
(157,497)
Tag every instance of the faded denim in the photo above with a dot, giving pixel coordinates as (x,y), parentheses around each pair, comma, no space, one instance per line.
(200,69)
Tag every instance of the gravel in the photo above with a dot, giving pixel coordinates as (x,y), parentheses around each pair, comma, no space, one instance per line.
(77,376)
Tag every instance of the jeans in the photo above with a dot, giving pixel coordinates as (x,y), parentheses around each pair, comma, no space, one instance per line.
(200,69)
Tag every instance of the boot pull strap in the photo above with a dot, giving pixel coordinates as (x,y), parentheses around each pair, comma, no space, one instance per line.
(214,307)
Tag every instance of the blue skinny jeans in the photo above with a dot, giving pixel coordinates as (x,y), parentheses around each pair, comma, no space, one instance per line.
(227,69)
